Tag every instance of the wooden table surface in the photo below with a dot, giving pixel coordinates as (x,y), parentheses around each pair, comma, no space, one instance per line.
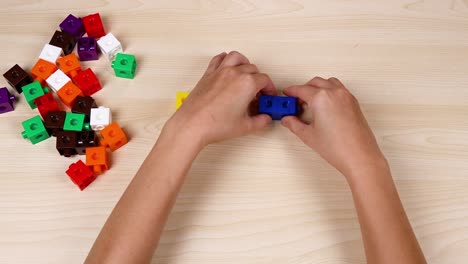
(264,198)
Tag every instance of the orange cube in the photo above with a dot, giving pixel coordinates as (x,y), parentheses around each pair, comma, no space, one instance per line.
(113,137)
(69,64)
(42,70)
(96,159)
(68,93)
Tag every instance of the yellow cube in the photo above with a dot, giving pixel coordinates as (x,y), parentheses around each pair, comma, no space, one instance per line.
(180,97)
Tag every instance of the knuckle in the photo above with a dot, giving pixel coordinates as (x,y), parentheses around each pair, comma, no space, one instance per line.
(234,54)
(228,71)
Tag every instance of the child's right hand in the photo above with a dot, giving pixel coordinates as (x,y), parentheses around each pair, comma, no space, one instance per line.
(338,131)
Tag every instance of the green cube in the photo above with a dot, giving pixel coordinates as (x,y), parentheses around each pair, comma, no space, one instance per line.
(34,130)
(33,91)
(75,122)
(124,65)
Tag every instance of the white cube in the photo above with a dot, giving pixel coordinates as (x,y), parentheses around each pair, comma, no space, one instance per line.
(57,80)
(50,53)
(110,46)
(100,118)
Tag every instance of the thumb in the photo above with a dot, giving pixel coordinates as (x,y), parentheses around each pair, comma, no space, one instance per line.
(258,122)
(295,125)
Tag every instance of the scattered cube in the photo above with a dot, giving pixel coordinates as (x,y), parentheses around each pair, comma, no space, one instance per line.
(42,70)
(84,105)
(93,25)
(68,94)
(100,118)
(46,103)
(113,137)
(34,130)
(110,46)
(124,65)
(180,98)
(33,91)
(88,82)
(17,78)
(70,65)
(86,139)
(57,80)
(73,26)
(96,159)
(64,41)
(66,143)
(87,49)
(80,174)
(278,106)
(74,122)
(50,53)
(6,101)
(54,121)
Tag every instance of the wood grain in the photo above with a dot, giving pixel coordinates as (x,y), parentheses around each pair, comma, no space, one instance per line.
(264,198)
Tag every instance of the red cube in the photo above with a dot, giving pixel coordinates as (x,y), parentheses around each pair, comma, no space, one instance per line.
(80,174)
(46,103)
(87,82)
(93,25)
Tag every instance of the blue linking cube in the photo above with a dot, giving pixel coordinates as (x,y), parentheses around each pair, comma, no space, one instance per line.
(278,106)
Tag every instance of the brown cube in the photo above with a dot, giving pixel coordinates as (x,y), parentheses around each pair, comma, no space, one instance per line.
(63,40)
(17,78)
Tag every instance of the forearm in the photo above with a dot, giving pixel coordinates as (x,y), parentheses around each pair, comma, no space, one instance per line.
(132,231)
(386,231)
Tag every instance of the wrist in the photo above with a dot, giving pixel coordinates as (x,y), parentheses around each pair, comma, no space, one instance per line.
(368,171)
(179,134)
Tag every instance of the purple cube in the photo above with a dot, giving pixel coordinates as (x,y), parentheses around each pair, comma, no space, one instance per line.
(6,100)
(87,49)
(73,26)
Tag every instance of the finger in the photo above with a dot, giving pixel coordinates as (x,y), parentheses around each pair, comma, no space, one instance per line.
(335,81)
(303,92)
(234,58)
(264,84)
(215,62)
(295,125)
(258,122)
(319,82)
(248,68)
